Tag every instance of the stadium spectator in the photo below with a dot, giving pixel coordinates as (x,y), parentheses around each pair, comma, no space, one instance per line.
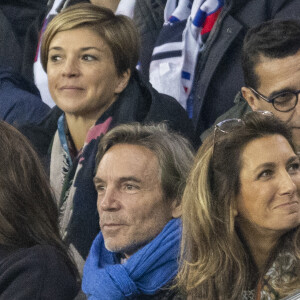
(140,178)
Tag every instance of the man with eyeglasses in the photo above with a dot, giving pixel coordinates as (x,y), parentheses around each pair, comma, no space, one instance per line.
(271,67)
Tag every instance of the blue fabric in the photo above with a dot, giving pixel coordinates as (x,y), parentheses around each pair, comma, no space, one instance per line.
(63,139)
(20,101)
(145,272)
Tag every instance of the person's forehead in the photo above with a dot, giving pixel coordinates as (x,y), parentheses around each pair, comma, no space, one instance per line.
(262,151)
(82,35)
(131,159)
(276,74)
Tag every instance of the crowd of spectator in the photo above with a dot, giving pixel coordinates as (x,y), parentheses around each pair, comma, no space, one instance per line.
(150,149)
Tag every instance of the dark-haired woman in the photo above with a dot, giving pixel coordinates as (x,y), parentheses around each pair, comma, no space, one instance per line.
(34,263)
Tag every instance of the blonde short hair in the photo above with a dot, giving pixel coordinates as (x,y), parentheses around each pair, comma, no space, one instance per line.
(118,31)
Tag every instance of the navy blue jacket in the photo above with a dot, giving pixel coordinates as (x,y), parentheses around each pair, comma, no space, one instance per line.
(38,272)
(20,100)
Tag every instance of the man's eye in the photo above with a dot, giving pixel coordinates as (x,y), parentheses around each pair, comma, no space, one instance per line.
(284,97)
(130,187)
(100,188)
(294,168)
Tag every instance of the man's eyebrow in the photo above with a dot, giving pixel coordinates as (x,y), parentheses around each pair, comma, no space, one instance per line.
(292,159)
(97,180)
(130,178)
(284,90)
(121,179)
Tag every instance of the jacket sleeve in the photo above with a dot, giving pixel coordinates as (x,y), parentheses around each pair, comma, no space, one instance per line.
(38,272)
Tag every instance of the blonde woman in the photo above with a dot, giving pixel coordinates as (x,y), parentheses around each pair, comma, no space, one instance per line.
(241,213)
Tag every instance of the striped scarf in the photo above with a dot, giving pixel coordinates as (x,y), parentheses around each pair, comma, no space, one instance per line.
(182,37)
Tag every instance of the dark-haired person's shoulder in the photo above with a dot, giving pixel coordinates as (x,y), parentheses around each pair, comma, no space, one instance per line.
(38,272)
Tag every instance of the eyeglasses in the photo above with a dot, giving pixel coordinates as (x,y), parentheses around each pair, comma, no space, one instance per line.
(284,102)
(229,125)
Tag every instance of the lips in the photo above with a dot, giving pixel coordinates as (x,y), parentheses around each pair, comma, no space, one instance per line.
(71,88)
(110,225)
(111,229)
(287,205)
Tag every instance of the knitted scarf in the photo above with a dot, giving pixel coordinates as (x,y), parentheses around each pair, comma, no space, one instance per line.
(145,272)
(181,39)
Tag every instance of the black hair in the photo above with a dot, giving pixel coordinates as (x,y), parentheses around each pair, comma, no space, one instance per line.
(272,39)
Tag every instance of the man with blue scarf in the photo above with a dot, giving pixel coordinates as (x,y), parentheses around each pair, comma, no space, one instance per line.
(141,172)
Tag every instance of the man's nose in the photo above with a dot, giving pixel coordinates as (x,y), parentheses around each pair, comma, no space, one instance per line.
(108,200)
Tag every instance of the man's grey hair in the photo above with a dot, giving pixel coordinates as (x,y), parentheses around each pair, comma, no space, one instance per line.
(174,153)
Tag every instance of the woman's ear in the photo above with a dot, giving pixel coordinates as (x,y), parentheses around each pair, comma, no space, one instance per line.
(123,81)
(235,212)
(176,209)
(234,209)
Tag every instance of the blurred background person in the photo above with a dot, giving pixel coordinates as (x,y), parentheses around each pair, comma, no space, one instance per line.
(241,213)
(34,262)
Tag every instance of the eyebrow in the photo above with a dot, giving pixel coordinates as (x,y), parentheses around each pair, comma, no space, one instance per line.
(97,180)
(277,92)
(130,178)
(57,48)
(292,159)
(264,165)
(273,165)
(121,179)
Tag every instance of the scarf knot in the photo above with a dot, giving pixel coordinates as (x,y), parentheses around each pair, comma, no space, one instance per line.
(145,272)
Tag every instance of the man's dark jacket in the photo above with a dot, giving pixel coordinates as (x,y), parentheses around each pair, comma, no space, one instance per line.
(218,75)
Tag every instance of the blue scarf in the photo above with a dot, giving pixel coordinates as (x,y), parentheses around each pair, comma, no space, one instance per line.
(145,272)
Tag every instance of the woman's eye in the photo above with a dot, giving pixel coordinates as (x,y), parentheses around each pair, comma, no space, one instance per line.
(88,57)
(55,58)
(265,174)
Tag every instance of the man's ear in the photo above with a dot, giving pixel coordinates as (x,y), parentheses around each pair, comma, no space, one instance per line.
(250,98)
(176,209)
(123,81)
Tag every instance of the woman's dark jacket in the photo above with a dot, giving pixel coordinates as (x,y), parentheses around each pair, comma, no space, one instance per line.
(38,272)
